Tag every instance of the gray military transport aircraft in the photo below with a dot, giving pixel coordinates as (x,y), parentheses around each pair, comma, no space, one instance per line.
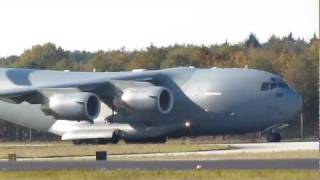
(147,106)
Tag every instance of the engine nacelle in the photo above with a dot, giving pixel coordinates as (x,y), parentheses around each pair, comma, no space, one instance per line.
(73,106)
(148,99)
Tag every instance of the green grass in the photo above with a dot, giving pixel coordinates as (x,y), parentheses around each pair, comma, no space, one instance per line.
(162,175)
(68,149)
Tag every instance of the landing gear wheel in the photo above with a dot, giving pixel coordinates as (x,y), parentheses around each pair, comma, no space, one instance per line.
(114,140)
(274,137)
(99,141)
(115,137)
(106,141)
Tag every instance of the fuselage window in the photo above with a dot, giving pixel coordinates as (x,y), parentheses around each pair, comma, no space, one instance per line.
(265,86)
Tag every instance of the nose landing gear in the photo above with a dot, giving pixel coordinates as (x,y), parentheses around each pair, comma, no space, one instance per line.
(274,137)
(272,132)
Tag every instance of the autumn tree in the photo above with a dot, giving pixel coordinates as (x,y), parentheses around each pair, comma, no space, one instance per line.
(252,42)
(41,57)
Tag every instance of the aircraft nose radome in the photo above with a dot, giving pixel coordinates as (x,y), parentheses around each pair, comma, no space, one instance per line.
(297,102)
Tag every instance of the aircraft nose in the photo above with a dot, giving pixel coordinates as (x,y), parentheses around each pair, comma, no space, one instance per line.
(296,102)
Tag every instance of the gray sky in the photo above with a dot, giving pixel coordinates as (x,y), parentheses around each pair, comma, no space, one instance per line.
(101,25)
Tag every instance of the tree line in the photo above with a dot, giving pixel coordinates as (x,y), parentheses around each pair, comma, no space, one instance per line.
(295,59)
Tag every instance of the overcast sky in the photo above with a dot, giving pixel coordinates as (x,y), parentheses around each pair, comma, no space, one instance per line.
(101,25)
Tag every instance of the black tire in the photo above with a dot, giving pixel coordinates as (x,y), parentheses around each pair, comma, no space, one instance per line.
(115,137)
(114,140)
(274,137)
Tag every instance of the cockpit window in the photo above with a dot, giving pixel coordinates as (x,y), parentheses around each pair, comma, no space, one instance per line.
(265,86)
(273,85)
(283,85)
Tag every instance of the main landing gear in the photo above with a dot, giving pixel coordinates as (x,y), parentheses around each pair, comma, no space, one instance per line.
(95,141)
(155,140)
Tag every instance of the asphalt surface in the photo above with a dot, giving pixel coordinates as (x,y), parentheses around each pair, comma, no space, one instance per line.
(240,149)
(160,165)
(87,162)
(243,148)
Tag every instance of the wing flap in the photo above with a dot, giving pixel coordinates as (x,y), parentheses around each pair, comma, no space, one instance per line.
(17,95)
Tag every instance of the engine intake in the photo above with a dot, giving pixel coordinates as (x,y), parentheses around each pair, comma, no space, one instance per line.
(73,106)
(154,98)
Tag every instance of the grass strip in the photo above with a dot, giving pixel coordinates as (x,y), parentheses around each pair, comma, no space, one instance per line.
(162,175)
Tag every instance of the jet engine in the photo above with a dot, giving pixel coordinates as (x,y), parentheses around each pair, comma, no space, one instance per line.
(148,99)
(72,106)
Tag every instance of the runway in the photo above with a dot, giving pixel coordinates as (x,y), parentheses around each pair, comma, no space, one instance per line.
(87,162)
(161,165)
(242,148)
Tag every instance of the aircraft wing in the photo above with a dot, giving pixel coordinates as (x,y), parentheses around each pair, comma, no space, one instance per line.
(13,92)
(103,88)
(80,99)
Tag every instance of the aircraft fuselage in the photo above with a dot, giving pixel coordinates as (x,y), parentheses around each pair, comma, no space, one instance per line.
(206,102)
